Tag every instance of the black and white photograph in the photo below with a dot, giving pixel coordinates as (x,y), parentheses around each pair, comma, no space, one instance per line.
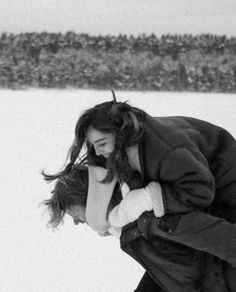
(118,150)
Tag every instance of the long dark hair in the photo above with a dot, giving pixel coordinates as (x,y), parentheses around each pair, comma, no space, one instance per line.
(70,189)
(118,118)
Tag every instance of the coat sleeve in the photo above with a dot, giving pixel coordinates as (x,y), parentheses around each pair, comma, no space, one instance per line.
(186,180)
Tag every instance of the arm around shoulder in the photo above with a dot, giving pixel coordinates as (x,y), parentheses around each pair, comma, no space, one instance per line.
(99,196)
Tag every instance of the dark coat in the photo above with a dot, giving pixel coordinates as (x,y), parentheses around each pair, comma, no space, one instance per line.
(195,163)
(173,266)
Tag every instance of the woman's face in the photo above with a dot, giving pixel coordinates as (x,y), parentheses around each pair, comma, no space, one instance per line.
(77,213)
(103,143)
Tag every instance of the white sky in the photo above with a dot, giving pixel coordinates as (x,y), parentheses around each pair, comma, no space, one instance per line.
(119,16)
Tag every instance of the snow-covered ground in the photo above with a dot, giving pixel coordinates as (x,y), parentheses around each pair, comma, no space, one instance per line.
(37,128)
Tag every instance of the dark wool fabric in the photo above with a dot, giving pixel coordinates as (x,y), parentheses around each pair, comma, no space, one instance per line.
(195,163)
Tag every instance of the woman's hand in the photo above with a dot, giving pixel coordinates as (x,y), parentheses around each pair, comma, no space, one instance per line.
(134,204)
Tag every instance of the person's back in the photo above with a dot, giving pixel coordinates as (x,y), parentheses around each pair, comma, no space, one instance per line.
(213,141)
(215,144)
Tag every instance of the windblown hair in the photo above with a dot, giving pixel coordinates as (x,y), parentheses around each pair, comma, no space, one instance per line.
(117,118)
(70,189)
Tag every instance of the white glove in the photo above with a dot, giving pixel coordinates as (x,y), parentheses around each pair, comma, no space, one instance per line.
(134,204)
(154,190)
(114,231)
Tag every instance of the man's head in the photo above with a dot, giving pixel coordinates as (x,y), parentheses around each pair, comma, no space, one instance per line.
(69,196)
(77,212)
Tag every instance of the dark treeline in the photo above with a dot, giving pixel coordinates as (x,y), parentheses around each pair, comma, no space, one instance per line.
(172,62)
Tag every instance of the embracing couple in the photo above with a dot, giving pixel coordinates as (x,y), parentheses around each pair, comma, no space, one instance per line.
(164,186)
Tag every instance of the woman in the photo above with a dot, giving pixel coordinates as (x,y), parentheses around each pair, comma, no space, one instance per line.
(185,268)
(194,162)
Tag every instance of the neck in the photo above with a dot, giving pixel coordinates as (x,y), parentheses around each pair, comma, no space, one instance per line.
(133,157)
